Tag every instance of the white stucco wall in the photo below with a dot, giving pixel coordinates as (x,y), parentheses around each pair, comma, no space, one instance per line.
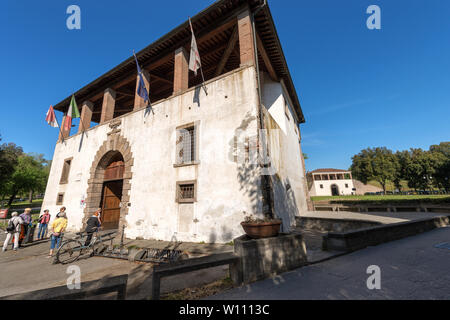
(286,154)
(225,188)
(326,190)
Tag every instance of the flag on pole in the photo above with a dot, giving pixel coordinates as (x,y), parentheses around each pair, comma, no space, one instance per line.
(194,60)
(72,113)
(141,90)
(51,118)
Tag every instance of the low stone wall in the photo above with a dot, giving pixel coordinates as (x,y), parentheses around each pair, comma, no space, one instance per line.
(334,225)
(262,258)
(358,239)
(367,207)
(87,289)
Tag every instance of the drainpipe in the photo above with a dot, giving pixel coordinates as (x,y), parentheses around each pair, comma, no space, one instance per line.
(255,45)
(266,181)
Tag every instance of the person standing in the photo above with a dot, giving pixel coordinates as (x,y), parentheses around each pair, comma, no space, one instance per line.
(44,219)
(13,230)
(26,217)
(62,210)
(92,224)
(58,227)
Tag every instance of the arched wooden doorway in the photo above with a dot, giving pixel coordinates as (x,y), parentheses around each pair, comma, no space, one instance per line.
(334,190)
(112,192)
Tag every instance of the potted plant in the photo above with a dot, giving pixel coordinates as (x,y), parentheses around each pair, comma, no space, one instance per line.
(261,228)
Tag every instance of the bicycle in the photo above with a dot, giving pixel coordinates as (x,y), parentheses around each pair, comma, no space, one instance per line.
(72,249)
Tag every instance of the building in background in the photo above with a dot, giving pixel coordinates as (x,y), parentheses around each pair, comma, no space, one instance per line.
(330,182)
(187,168)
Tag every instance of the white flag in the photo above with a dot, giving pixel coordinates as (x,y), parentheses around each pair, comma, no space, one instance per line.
(194,61)
(51,118)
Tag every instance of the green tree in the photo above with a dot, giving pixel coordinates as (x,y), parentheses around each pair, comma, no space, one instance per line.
(29,175)
(378,164)
(442,171)
(403,160)
(421,170)
(9,155)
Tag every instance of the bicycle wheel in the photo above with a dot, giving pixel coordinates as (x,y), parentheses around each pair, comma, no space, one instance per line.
(69,251)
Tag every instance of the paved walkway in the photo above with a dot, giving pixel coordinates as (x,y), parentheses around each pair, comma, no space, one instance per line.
(37,272)
(381,217)
(411,268)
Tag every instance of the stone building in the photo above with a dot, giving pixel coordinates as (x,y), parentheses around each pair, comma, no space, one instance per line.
(205,154)
(330,182)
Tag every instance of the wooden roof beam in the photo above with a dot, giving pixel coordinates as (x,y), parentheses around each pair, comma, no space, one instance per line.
(265,56)
(230,47)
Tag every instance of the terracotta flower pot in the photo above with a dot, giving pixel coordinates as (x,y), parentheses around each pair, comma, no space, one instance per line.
(261,230)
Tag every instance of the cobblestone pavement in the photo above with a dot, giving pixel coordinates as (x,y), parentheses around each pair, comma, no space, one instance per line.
(411,268)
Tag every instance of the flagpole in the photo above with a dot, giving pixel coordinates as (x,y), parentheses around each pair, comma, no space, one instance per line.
(148,92)
(201,66)
(62,135)
(203,83)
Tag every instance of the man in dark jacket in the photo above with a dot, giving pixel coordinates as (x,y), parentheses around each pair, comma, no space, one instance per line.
(92,225)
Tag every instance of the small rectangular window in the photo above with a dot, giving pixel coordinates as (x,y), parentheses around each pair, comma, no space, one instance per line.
(60,199)
(286,109)
(65,171)
(321,186)
(187,145)
(346,185)
(186,192)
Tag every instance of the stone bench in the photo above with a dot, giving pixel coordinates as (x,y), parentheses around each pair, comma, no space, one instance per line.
(185,266)
(88,289)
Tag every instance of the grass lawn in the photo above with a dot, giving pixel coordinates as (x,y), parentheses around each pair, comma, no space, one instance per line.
(26,204)
(437,199)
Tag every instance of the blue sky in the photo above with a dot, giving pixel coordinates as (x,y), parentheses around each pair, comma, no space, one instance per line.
(358,88)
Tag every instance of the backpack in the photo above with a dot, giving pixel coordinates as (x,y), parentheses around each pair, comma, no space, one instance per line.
(11,227)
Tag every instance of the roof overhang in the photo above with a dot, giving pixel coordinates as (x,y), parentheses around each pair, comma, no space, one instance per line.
(213,17)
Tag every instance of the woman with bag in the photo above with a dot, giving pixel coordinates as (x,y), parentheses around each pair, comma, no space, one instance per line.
(13,230)
(58,227)
(43,224)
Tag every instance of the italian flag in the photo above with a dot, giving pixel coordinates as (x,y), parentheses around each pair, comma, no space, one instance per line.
(72,113)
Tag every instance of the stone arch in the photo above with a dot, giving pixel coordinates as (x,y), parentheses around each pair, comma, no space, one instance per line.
(114,144)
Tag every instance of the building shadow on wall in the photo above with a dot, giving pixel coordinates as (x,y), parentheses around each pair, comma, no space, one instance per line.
(247,172)
(284,202)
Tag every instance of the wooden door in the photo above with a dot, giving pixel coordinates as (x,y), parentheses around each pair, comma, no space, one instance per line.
(334,190)
(112,195)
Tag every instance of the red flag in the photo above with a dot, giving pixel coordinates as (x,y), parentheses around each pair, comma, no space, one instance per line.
(51,118)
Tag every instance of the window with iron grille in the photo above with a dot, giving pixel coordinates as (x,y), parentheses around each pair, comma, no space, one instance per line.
(186,145)
(186,192)
(60,199)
